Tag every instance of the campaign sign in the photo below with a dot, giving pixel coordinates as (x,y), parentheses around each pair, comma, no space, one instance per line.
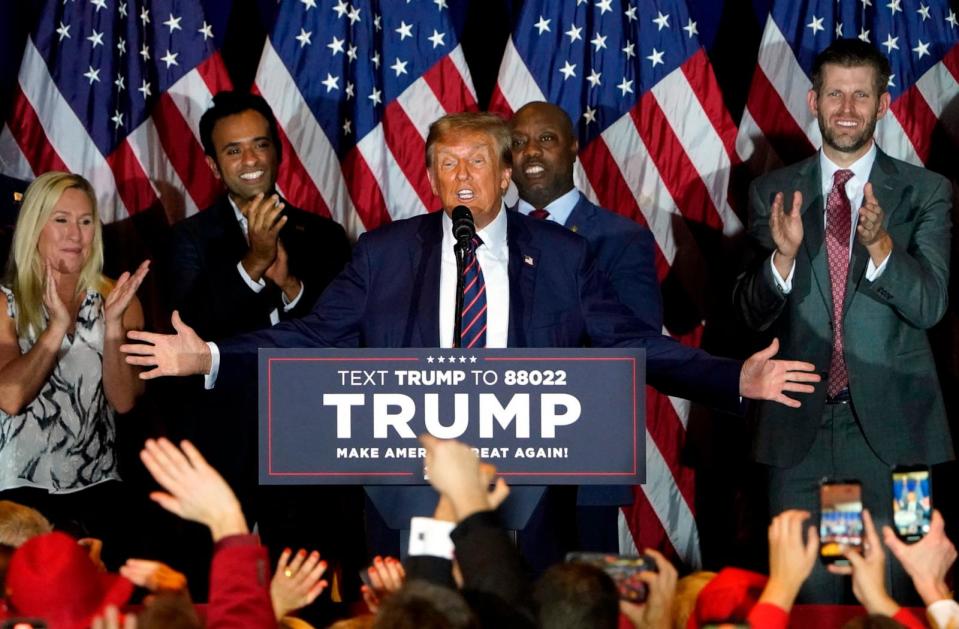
(542,416)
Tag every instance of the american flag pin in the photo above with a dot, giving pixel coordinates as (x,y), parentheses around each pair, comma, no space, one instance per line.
(528,260)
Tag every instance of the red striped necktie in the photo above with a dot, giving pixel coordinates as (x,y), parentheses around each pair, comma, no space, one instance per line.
(473,330)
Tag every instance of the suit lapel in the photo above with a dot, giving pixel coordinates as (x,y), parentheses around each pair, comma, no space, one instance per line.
(581,219)
(809,183)
(524,260)
(425,261)
(231,234)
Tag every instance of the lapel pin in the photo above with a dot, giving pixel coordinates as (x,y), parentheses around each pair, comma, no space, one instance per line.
(528,260)
(574,228)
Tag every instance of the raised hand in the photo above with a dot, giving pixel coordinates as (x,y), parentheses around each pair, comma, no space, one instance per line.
(869,229)
(122,294)
(194,490)
(386,576)
(763,378)
(57,311)
(297,581)
(927,561)
(656,612)
(868,572)
(786,229)
(455,472)
(264,223)
(180,354)
(790,560)
(153,575)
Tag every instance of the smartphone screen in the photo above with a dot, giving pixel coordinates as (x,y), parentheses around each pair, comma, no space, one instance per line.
(911,502)
(840,523)
(623,570)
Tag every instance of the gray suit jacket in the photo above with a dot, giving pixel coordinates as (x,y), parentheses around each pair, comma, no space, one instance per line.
(892,377)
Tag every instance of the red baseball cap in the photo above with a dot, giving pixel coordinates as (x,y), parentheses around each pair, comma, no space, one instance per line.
(51,577)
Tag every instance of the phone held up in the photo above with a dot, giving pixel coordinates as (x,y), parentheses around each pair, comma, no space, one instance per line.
(911,502)
(624,570)
(840,523)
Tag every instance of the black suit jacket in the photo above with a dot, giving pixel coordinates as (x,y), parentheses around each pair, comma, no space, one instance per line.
(207,289)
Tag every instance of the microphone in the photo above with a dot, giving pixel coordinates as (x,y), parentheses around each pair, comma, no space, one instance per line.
(463,227)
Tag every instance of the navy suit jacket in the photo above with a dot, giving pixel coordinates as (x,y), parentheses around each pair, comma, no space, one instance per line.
(388,296)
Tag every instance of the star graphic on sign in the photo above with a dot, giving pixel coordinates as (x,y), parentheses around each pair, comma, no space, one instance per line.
(630,50)
(206,30)
(656,57)
(604,6)
(122,46)
(304,37)
(838,29)
(589,115)
(864,35)
(117,119)
(405,30)
(309,4)
(893,6)
(376,96)
(145,52)
(890,43)
(376,58)
(144,89)
(626,87)
(170,58)
(630,13)
(96,38)
(347,127)
(923,11)
(354,15)
(662,21)
(99,4)
(472,359)
(145,16)
(599,41)
(173,23)
(348,90)
(542,26)
(351,52)
(399,67)
(568,70)
(451,359)
(437,38)
(816,25)
(93,75)
(691,28)
(441,359)
(952,19)
(341,8)
(120,83)
(63,31)
(574,33)
(429,359)
(922,48)
(122,8)
(331,83)
(594,78)
(336,45)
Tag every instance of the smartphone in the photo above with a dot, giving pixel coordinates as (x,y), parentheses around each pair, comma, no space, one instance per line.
(911,502)
(840,520)
(623,570)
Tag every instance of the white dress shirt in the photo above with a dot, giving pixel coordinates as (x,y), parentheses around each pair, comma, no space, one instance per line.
(559,210)
(855,192)
(493,258)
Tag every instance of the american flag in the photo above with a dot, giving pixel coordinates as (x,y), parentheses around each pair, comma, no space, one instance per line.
(355,87)
(114,90)
(656,144)
(918,36)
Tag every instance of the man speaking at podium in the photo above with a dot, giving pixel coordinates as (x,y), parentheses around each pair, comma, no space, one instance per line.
(534,285)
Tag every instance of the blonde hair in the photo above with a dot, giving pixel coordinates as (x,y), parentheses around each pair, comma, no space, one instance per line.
(18,523)
(25,271)
(472,121)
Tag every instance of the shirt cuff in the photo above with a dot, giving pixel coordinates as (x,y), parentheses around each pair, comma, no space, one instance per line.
(941,613)
(431,537)
(209,379)
(289,305)
(256,287)
(873,272)
(785,285)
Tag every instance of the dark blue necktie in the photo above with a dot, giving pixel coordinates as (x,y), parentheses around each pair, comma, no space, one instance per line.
(474,300)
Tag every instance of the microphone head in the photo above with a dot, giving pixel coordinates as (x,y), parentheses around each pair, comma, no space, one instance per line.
(463,227)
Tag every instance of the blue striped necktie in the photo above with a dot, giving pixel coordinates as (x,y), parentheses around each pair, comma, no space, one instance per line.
(473,330)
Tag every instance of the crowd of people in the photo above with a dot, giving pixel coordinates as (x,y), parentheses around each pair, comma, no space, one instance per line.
(848,278)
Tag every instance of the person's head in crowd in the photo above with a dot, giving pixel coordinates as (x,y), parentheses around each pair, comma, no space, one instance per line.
(6,552)
(169,610)
(849,95)
(544,149)
(576,596)
(468,161)
(687,591)
(727,597)
(242,144)
(51,577)
(18,523)
(58,227)
(424,605)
